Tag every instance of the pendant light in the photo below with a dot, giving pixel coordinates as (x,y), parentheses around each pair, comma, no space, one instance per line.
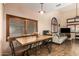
(41,11)
(76,12)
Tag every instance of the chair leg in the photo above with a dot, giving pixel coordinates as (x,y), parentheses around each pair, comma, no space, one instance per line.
(49,47)
(28,50)
(23,53)
(27,53)
(13,54)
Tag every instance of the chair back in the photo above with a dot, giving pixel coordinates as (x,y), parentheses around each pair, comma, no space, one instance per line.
(10,40)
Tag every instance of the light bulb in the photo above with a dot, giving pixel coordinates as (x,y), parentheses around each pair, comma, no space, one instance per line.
(41,12)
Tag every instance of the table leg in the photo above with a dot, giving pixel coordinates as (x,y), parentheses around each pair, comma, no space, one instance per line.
(28,51)
(49,46)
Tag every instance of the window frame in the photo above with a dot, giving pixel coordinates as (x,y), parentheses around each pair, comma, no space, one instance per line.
(8,21)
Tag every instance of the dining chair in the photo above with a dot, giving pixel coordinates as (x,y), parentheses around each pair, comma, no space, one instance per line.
(17,50)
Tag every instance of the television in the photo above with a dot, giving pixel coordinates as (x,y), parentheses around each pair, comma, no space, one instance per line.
(64,30)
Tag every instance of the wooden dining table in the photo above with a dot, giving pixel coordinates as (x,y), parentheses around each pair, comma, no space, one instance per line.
(33,39)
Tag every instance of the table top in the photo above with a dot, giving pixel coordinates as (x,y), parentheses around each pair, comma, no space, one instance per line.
(32,39)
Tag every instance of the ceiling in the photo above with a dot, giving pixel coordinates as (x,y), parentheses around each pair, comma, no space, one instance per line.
(48,7)
(35,7)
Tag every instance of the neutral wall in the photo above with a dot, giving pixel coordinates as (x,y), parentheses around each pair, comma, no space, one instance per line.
(44,21)
(20,10)
(14,9)
(70,12)
(1,26)
(62,15)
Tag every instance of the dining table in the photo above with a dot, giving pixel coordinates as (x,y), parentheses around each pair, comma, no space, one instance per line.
(24,41)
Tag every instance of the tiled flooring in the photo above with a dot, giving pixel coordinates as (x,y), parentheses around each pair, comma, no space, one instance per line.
(68,48)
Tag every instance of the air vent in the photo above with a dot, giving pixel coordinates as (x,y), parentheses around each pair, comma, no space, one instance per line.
(58,5)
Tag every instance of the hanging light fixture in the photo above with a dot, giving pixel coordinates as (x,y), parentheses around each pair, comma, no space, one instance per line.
(76,12)
(41,11)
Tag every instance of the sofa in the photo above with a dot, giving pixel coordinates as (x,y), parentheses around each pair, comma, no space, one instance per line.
(58,39)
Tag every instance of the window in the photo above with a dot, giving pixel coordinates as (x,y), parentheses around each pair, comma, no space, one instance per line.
(72,27)
(31,27)
(70,20)
(54,25)
(18,26)
(77,28)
